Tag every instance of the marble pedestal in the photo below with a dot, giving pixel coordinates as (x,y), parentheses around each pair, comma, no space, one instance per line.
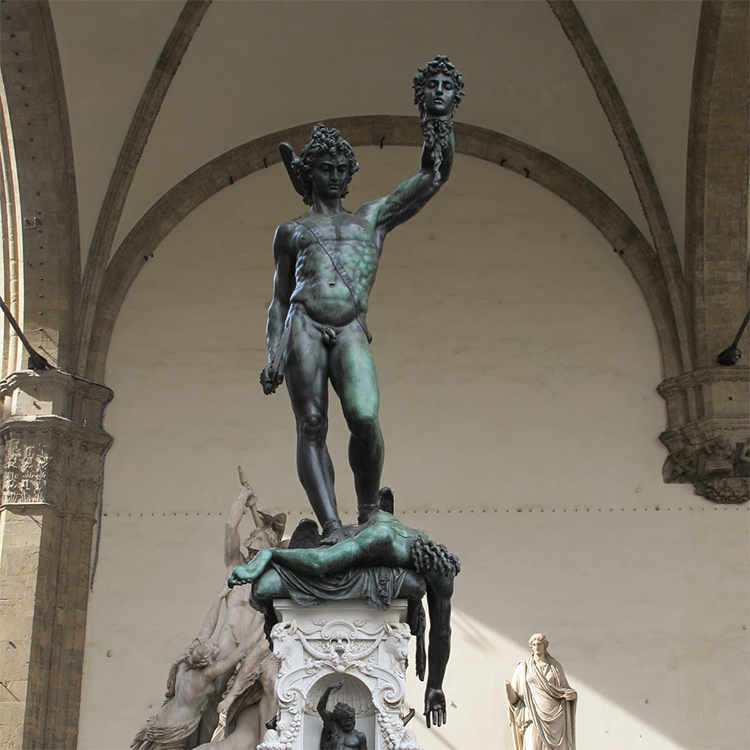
(343,641)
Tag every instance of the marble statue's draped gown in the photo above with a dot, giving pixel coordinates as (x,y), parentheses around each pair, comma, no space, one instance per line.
(542,719)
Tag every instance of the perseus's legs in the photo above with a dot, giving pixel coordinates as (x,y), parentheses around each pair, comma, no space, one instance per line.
(307,382)
(354,378)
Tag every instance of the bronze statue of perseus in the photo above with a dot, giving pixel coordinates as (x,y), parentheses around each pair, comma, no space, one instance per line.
(326,262)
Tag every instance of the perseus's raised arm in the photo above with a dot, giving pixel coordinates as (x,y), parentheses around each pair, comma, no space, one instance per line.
(413,193)
(438,89)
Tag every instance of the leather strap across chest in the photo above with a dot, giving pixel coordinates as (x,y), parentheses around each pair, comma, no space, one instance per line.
(342,272)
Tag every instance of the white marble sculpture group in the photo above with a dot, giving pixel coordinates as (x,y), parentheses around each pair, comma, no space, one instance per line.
(221,689)
(229,691)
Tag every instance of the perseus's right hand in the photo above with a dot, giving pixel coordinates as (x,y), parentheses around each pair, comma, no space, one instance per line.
(271,378)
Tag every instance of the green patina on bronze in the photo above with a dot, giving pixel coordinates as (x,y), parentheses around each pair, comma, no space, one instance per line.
(326,264)
(417,564)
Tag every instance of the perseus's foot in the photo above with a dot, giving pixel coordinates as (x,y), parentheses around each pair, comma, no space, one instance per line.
(337,534)
(251,571)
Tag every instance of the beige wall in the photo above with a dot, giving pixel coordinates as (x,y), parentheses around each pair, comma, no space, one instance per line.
(518,367)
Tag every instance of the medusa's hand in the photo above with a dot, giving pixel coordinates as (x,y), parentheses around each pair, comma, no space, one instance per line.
(434,707)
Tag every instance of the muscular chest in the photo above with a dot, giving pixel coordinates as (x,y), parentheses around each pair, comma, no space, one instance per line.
(350,242)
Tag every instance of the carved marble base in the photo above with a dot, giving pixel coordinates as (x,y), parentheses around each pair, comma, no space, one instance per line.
(348,642)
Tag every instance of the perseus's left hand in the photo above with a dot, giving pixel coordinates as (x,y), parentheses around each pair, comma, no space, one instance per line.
(271,378)
(434,707)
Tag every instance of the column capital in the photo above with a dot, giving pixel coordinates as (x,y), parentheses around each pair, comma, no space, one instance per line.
(52,444)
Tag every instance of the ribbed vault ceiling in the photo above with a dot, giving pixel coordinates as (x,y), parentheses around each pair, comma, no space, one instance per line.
(255,67)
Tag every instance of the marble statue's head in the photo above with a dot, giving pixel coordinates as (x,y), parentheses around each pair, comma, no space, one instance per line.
(344,716)
(268,535)
(200,653)
(441,68)
(537,639)
(323,141)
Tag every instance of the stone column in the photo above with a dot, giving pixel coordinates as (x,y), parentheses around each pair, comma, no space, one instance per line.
(348,642)
(52,449)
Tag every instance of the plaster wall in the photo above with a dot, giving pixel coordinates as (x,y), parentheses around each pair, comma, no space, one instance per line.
(518,367)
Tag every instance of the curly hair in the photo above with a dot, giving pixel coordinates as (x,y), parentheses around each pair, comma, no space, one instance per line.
(199,654)
(428,556)
(441,64)
(323,141)
(344,715)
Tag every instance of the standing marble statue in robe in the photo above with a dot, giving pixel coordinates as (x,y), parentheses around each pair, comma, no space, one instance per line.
(541,703)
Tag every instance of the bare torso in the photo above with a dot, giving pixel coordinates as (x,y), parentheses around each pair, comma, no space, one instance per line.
(192,690)
(318,285)
(351,740)
(240,622)
(326,263)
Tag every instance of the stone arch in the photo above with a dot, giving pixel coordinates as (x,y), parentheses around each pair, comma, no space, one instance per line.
(130,155)
(553,174)
(638,165)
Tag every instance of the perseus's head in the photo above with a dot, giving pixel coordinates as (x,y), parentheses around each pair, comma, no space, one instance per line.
(438,88)
(325,143)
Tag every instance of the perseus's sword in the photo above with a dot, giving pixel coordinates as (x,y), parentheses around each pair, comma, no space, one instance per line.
(281,348)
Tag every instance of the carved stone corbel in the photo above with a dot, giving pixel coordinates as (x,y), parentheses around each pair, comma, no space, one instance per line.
(709,434)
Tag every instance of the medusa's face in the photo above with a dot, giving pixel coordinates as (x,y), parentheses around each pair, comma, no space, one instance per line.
(439,95)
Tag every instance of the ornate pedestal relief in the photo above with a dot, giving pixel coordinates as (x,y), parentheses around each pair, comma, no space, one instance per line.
(345,642)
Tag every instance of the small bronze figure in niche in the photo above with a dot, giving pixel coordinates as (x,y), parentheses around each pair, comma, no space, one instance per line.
(339,731)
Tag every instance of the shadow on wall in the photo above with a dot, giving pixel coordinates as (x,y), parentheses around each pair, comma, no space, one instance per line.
(646,613)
